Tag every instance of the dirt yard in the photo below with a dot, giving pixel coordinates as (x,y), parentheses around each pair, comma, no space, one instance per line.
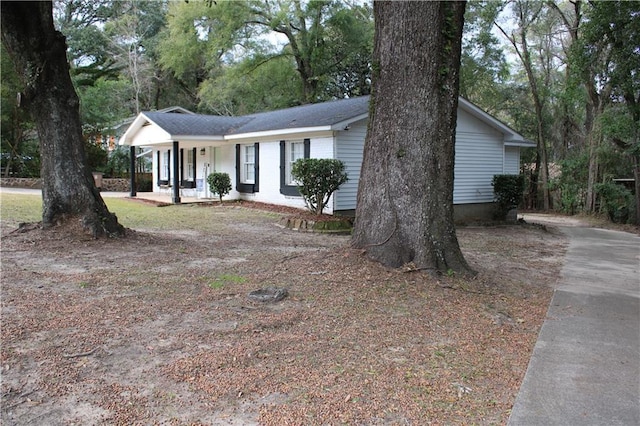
(157,328)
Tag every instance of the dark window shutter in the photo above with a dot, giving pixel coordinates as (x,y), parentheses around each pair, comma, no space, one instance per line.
(238,168)
(181,176)
(159,168)
(307,148)
(195,171)
(283,169)
(256,167)
(169,167)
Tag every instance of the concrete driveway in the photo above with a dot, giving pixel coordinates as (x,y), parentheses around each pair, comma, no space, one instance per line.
(585,367)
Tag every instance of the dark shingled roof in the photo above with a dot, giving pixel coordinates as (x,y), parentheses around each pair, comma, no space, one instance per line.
(312,115)
(196,124)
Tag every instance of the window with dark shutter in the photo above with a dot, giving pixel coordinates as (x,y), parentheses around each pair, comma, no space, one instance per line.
(188,168)
(163,167)
(247,168)
(290,152)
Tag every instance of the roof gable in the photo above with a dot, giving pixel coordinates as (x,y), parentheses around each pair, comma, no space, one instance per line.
(511,137)
(195,124)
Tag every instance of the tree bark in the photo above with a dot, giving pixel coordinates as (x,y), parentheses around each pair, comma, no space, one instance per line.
(39,54)
(405,196)
(636,177)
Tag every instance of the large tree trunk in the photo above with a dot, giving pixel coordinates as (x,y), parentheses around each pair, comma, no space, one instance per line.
(542,167)
(636,177)
(39,54)
(405,198)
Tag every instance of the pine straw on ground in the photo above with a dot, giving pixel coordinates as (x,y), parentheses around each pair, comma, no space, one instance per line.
(157,328)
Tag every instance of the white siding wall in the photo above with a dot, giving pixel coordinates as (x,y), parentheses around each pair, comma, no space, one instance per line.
(225,162)
(148,134)
(154,170)
(269,182)
(512,160)
(321,148)
(479,156)
(349,148)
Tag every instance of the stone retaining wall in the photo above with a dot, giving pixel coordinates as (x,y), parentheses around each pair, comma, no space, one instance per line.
(21,183)
(117,185)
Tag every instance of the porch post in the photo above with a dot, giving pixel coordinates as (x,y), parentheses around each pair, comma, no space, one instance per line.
(132,168)
(176,174)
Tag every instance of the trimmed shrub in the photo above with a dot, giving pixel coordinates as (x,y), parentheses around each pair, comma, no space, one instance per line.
(144,184)
(317,179)
(508,193)
(219,183)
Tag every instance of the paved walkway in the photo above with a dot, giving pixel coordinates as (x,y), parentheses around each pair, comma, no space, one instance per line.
(585,367)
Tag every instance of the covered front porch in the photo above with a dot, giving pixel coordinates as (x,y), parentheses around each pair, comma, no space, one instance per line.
(180,172)
(185,149)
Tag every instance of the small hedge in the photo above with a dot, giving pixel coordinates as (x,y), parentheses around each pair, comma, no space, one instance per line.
(144,184)
(219,183)
(317,179)
(508,193)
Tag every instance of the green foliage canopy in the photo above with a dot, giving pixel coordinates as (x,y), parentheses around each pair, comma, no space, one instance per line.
(322,50)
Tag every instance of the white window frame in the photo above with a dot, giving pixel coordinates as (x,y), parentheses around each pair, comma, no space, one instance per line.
(164,168)
(190,168)
(294,152)
(248,164)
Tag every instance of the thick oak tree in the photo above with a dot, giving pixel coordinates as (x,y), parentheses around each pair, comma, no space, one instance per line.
(405,196)
(39,55)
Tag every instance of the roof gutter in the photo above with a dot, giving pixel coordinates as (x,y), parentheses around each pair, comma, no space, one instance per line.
(278,132)
(524,143)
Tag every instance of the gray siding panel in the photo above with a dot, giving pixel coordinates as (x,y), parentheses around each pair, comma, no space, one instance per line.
(349,149)
(478,158)
(511,160)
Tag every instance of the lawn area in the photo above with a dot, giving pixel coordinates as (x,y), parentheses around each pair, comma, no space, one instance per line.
(158,328)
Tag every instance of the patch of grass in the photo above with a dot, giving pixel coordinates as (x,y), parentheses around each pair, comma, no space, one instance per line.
(221,280)
(18,208)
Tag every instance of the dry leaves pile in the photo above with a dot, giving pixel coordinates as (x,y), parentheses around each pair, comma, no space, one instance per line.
(157,328)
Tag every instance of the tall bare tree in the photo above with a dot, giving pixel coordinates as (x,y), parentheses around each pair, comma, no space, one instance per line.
(405,197)
(526,14)
(39,55)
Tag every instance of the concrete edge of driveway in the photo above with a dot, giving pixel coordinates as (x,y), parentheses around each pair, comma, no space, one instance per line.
(585,366)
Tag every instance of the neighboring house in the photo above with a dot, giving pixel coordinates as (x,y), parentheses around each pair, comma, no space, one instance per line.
(257,151)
